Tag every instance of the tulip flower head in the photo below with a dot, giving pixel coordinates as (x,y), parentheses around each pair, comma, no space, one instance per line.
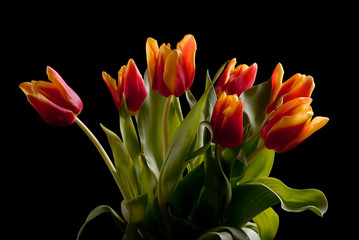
(171,72)
(236,80)
(130,84)
(297,86)
(227,121)
(291,124)
(55,101)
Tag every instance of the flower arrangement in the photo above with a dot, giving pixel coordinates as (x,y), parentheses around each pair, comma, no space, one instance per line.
(204,175)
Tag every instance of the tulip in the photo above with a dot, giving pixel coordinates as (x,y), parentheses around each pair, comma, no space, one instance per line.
(297,86)
(55,101)
(227,121)
(171,72)
(236,80)
(291,124)
(130,84)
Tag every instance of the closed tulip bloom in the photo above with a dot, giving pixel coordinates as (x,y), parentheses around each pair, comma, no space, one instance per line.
(55,101)
(297,86)
(235,80)
(291,124)
(171,72)
(130,84)
(227,121)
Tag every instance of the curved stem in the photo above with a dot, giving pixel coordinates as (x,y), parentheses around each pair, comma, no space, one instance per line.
(103,155)
(166,111)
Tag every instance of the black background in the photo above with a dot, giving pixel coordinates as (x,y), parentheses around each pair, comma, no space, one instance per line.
(53,177)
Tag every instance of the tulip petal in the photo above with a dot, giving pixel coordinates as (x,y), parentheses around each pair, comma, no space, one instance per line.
(286,129)
(231,133)
(310,128)
(67,93)
(50,112)
(135,91)
(188,47)
(276,79)
(152,57)
(242,80)
(297,86)
(222,80)
(111,85)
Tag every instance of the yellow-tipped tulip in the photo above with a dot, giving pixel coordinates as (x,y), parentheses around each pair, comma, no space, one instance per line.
(291,124)
(297,86)
(171,72)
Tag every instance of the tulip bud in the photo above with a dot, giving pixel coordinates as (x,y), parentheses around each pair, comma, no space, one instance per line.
(236,80)
(227,121)
(297,86)
(171,72)
(290,124)
(55,101)
(130,84)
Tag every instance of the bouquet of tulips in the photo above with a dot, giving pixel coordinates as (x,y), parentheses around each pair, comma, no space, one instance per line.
(204,175)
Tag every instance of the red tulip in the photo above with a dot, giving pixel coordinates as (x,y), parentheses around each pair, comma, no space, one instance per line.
(130,84)
(236,80)
(171,72)
(291,124)
(227,121)
(297,86)
(55,101)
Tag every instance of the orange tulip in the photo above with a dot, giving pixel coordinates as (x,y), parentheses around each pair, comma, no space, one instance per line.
(297,86)
(130,84)
(291,124)
(171,72)
(55,101)
(236,80)
(227,121)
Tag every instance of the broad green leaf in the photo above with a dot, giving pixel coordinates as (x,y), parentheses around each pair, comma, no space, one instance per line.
(100,210)
(268,223)
(260,166)
(172,169)
(128,131)
(255,102)
(254,196)
(150,127)
(123,163)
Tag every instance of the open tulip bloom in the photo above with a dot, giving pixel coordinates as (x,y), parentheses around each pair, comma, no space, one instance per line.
(204,175)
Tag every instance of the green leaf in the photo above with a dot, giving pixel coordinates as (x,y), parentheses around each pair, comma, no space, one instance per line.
(268,223)
(100,210)
(260,166)
(123,163)
(128,131)
(172,169)
(136,208)
(225,233)
(253,197)
(214,203)
(255,102)
(150,127)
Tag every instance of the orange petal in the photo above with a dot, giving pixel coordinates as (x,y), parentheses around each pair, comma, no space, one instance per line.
(112,87)
(152,57)
(188,47)
(276,79)
(310,128)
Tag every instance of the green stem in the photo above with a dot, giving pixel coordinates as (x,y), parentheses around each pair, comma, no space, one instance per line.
(166,111)
(104,156)
(255,153)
